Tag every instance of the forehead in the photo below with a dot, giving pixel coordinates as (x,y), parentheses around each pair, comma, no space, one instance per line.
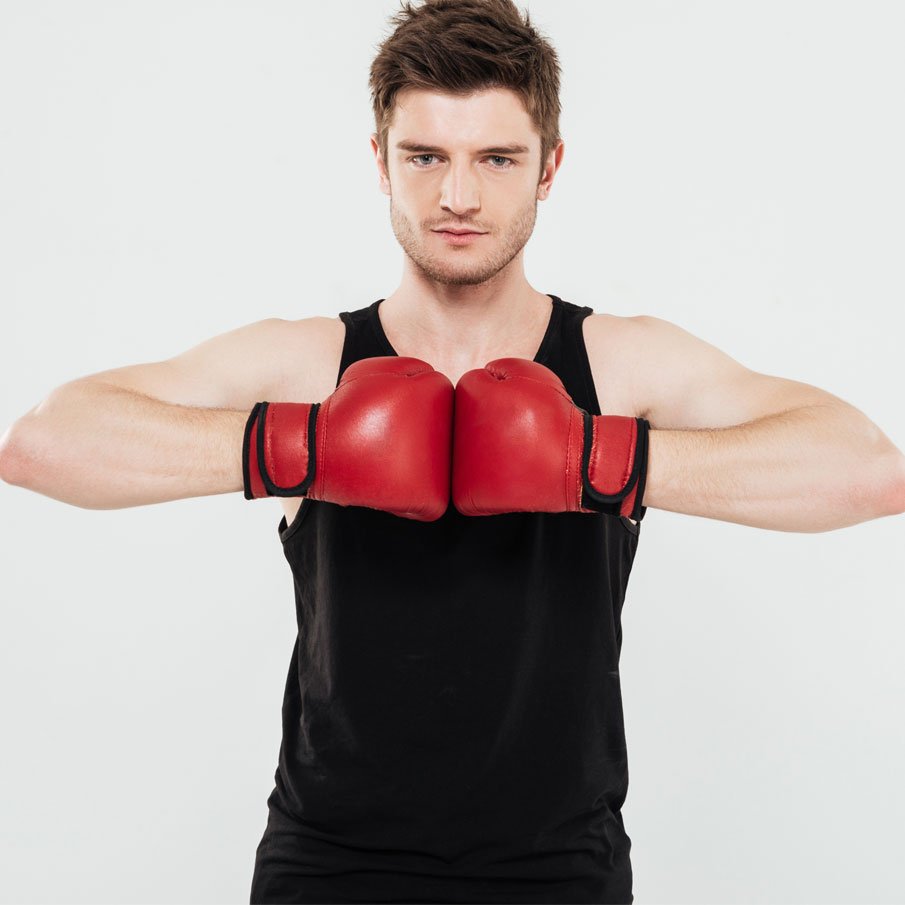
(444,119)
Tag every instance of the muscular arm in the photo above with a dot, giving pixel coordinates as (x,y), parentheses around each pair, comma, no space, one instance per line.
(153,432)
(101,446)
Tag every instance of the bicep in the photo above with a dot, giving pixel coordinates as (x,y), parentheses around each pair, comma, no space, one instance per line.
(686,383)
(232,370)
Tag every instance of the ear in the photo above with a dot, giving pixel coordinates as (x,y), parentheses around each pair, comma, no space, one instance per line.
(382,173)
(553,163)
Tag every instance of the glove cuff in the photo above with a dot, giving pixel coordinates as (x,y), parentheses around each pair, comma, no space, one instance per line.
(278,450)
(614,465)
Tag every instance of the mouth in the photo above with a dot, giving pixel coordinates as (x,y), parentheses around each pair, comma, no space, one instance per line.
(458,236)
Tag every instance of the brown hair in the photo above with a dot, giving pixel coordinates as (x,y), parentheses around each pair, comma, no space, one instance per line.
(463,46)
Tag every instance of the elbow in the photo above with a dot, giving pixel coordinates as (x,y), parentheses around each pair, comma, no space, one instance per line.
(891,494)
(898,493)
(18,460)
(35,457)
(27,461)
(13,466)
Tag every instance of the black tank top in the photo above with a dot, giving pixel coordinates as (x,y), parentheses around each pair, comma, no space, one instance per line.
(452,719)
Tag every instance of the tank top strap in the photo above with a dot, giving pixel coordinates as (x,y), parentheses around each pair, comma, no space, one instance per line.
(364,337)
(567,356)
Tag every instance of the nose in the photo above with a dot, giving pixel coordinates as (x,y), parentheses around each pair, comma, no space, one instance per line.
(459,194)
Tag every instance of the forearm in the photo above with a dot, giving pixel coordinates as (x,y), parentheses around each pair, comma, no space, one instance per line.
(100,446)
(813,469)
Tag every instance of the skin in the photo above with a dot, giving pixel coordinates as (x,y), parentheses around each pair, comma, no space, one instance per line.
(456,306)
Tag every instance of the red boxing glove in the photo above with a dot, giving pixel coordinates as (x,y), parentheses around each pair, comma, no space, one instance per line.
(520,444)
(383,440)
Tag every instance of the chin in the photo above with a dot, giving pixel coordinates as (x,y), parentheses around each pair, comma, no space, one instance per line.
(463,281)
(469,277)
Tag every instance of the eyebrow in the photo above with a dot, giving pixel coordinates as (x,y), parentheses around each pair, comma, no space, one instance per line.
(414,147)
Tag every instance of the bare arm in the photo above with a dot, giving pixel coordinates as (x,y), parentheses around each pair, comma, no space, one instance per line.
(148,433)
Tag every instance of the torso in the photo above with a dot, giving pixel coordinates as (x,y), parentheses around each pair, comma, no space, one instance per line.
(321,343)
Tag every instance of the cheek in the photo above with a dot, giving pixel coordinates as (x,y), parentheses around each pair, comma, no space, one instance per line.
(419,190)
(509,209)
(417,200)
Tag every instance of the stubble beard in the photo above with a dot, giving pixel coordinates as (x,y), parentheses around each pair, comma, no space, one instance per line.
(461,266)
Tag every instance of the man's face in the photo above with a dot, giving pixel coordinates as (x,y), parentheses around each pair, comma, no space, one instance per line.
(462,163)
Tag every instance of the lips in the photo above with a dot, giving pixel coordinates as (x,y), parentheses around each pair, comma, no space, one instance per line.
(459,237)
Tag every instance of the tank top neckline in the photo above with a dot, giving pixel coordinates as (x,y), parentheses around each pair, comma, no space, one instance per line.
(540,355)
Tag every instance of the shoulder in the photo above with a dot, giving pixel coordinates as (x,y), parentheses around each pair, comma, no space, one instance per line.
(635,336)
(678,381)
(287,343)
(318,332)
(609,328)
(275,359)
(306,354)
(612,343)
(259,360)
(663,366)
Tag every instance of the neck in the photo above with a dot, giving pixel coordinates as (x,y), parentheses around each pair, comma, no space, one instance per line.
(465,326)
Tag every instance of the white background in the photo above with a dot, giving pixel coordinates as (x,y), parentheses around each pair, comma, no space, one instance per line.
(171,170)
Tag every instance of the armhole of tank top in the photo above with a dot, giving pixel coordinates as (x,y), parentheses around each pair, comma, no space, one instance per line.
(346,318)
(630,526)
(289,530)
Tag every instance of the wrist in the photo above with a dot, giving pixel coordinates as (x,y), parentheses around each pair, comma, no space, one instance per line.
(614,465)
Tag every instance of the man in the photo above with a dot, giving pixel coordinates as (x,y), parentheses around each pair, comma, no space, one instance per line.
(452,723)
